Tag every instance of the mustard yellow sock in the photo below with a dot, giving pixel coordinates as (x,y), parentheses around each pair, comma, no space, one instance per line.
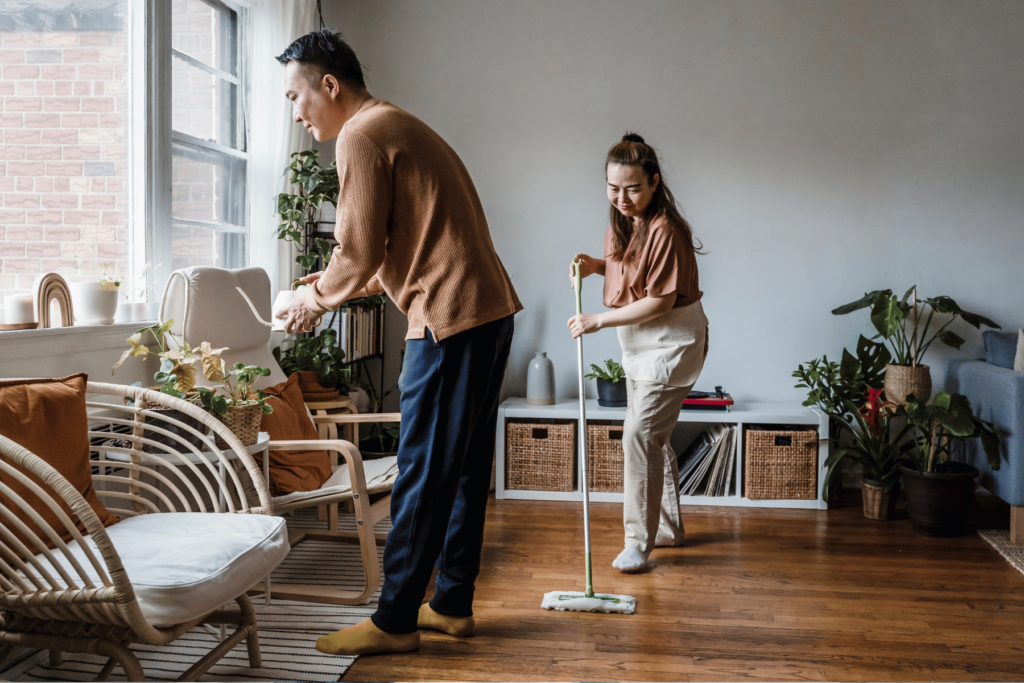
(453,626)
(364,639)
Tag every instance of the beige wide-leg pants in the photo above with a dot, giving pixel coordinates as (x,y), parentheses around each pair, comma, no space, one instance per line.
(662,359)
(650,476)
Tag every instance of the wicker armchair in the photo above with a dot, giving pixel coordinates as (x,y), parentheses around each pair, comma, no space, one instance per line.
(166,567)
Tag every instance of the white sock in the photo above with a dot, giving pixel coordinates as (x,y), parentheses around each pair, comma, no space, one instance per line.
(630,560)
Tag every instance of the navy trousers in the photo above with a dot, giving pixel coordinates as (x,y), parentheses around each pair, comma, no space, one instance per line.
(449,405)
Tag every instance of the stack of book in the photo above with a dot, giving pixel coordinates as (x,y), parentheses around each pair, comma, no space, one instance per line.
(705,467)
(360,332)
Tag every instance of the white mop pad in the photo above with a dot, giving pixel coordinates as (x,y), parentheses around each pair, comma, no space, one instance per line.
(578,602)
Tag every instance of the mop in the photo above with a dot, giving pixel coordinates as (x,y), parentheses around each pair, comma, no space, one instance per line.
(589,601)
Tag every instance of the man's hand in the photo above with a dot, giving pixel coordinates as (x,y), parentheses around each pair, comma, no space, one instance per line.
(299,317)
(584,323)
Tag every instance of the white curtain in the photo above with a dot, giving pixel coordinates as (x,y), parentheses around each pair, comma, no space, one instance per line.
(274,135)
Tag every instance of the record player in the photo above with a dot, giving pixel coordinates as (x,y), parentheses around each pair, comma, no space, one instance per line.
(704,400)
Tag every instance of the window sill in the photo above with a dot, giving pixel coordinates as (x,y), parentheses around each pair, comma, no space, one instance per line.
(16,345)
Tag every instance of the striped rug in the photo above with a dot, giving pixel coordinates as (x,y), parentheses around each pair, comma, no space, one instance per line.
(1000,540)
(287,629)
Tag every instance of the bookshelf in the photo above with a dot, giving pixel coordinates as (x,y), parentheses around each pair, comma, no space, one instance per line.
(740,415)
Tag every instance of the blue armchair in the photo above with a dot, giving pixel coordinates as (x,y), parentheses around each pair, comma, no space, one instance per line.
(996,393)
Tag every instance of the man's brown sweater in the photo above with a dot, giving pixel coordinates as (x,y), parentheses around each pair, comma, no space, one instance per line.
(409,223)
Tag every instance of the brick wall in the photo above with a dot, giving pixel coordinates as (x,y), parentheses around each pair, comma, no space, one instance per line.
(63,155)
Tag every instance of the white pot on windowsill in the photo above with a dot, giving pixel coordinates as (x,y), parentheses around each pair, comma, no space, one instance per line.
(94,303)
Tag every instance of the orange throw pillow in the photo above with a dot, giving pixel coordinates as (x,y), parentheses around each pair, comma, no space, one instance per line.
(293,471)
(48,417)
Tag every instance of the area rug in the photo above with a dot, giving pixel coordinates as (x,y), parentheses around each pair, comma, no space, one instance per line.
(287,630)
(1000,540)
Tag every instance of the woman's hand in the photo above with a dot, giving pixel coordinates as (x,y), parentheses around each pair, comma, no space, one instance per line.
(588,266)
(584,323)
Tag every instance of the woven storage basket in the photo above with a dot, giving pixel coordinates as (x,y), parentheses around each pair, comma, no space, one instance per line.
(244,422)
(902,381)
(604,457)
(780,465)
(540,456)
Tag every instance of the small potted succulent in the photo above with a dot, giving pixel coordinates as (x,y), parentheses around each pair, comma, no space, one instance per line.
(611,384)
(889,314)
(95,303)
(939,489)
(240,406)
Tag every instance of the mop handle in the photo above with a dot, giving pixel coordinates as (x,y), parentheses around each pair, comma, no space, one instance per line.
(585,482)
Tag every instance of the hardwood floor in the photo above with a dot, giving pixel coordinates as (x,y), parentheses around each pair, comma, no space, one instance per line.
(754,594)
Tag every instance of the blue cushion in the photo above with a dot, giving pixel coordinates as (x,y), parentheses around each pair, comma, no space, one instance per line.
(1000,348)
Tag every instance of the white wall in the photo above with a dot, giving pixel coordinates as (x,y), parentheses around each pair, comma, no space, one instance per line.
(820,150)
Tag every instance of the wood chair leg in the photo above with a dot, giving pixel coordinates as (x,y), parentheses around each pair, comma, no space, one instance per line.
(1017,524)
(321,513)
(56,658)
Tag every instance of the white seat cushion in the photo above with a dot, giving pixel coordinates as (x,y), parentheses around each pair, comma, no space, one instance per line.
(377,473)
(184,565)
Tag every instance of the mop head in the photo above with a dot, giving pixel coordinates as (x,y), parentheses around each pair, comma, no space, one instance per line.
(578,602)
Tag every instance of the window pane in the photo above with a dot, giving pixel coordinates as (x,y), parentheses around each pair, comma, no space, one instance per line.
(65,126)
(207,186)
(203,105)
(206,30)
(195,246)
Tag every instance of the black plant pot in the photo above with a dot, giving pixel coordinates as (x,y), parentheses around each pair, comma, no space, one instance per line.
(611,394)
(937,504)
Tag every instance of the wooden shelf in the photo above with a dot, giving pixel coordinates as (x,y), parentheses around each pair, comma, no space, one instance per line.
(740,415)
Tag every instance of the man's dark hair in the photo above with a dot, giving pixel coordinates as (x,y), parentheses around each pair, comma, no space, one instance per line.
(325,52)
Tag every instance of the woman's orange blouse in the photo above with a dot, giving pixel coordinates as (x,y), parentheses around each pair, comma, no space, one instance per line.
(666,264)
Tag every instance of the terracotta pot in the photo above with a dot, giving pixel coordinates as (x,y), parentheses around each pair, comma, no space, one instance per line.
(878,505)
(901,381)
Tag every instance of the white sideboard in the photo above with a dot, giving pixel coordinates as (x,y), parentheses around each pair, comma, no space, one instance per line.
(741,414)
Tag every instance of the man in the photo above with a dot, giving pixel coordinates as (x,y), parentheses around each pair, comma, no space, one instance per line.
(410,224)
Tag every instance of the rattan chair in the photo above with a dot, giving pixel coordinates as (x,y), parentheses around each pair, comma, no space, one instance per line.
(79,596)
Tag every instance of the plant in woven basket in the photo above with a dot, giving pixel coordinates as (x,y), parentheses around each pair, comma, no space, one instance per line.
(239,389)
(889,315)
(950,415)
(873,443)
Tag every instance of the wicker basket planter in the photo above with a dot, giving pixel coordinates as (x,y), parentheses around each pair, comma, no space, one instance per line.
(878,505)
(901,381)
(540,456)
(604,456)
(244,422)
(780,464)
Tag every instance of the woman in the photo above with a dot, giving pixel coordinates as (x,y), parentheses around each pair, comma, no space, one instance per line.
(650,271)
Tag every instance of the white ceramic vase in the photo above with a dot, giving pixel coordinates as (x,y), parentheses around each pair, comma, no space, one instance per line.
(540,381)
(93,303)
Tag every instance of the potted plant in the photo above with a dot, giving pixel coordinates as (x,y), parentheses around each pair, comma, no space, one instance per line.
(95,303)
(300,213)
(241,406)
(320,362)
(611,384)
(939,489)
(875,446)
(889,315)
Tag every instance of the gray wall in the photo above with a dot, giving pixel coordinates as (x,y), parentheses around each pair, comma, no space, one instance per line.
(820,150)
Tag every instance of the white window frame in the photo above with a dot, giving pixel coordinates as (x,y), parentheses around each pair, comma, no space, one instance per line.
(152,137)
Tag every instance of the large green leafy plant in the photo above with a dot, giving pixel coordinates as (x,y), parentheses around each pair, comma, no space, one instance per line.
(300,213)
(320,354)
(873,442)
(889,315)
(832,386)
(952,415)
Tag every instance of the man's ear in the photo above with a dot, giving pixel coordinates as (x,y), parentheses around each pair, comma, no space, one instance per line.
(332,85)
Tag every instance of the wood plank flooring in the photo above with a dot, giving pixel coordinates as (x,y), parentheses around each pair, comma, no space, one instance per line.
(753,595)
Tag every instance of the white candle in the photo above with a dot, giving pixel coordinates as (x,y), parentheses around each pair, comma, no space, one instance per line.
(19,308)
